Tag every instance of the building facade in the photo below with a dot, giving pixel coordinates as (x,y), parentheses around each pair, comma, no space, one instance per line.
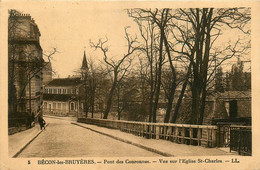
(24,64)
(61,97)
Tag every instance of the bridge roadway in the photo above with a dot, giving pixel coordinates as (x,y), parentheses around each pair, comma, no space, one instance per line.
(63,139)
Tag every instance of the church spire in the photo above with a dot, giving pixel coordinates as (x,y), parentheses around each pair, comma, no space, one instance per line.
(84,62)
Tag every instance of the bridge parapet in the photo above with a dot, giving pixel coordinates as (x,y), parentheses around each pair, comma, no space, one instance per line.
(179,133)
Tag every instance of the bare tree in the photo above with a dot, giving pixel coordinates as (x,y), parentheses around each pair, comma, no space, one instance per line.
(160,18)
(204,27)
(148,32)
(119,68)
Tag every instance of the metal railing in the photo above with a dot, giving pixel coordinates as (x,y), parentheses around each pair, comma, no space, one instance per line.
(241,139)
(200,135)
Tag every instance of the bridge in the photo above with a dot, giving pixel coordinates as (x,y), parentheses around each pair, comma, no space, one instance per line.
(69,137)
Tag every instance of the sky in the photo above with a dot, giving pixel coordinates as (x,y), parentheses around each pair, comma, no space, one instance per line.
(69,27)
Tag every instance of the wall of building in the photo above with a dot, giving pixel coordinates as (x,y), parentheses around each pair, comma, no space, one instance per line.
(60,108)
(23,26)
(23,48)
(61,90)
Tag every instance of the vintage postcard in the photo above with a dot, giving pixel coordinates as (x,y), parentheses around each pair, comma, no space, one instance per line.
(129,84)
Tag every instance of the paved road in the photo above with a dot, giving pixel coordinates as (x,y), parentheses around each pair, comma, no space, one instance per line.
(62,139)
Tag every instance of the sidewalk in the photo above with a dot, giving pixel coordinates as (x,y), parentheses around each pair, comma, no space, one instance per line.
(162,147)
(18,141)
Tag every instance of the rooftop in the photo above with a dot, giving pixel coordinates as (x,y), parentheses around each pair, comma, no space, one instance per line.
(65,82)
(235,94)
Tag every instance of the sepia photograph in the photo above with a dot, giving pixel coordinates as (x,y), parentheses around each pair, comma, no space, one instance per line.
(89,83)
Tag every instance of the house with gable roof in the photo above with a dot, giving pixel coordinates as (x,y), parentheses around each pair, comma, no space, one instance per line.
(61,96)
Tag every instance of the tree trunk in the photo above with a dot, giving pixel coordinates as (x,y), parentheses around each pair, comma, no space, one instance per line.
(109,101)
(202,107)
(86,98)
(205,70)
(86,108)
(110,96)
(151,105)
(92,104)
(173,84)
(118,102)
(93,93)
(178,105)
(169,104)
(152,88)
(159,72)
(195,104)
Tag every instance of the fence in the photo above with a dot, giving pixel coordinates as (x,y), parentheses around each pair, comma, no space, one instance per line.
(18,122)
(223,135)
(241,139)
(179,133)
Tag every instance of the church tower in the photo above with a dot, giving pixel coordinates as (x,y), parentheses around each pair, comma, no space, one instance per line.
(84,62)
(84,78)
(84,67)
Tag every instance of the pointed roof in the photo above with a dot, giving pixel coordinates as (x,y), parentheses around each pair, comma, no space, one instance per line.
(84,62)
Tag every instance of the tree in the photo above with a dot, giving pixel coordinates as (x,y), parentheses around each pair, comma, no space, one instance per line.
(118,68)
(144,82)
(85,76)
(160,18)
(203,27)
(149,36)
(93,86)
(219,80)
(240,80)
(133,103)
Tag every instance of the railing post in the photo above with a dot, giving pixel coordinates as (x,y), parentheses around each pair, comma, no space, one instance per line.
(231,136)
(213,144)
(150,131)
(157,132)
(147,131)
(133,129)
(191,135)
(207,136)
(143,127)
(176,134)
(165,134)
(183,135)
(199,136)
(239,141)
